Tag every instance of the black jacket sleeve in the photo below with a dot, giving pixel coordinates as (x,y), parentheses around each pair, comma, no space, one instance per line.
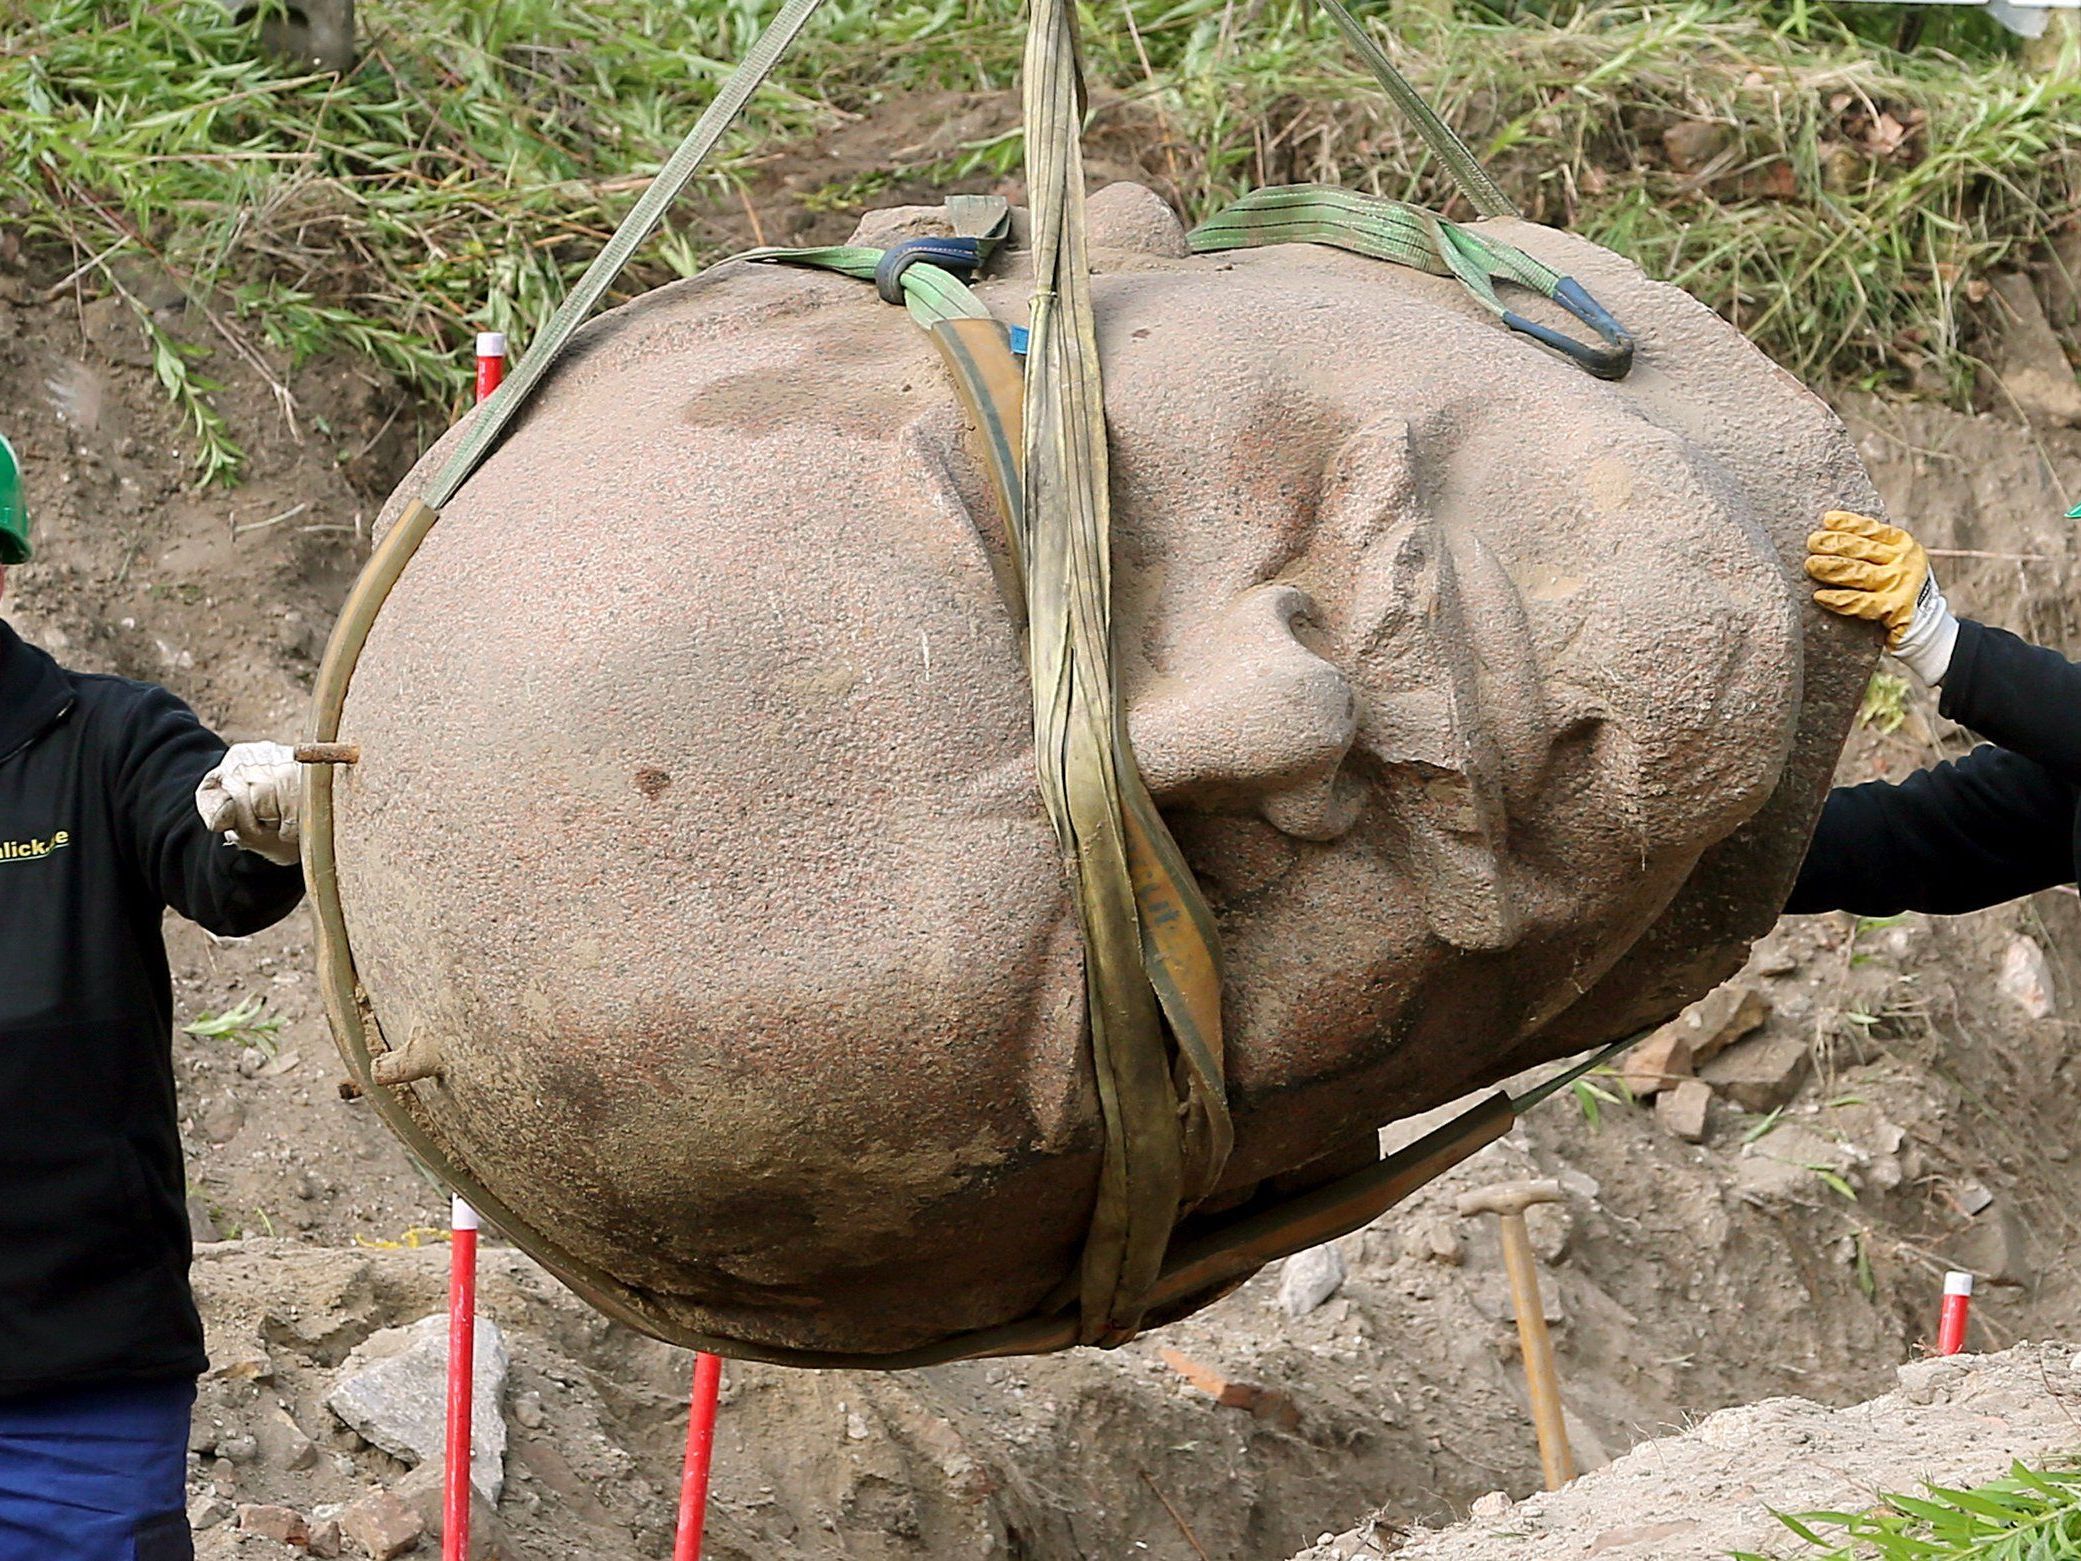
(1971,832)
(1960,836)
(2022,696)
(162,757)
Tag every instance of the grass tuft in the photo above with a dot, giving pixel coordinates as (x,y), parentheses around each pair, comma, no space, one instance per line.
(2032,1515)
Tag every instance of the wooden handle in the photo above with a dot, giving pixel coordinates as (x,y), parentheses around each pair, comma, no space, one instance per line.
(1556,1459)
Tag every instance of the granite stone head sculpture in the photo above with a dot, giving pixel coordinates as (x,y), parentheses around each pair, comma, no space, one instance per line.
(1480,694)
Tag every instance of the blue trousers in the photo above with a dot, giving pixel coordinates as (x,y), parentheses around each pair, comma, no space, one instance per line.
(96,1474)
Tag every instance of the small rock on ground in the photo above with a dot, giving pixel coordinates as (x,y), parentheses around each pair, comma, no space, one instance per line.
(1683,1110)
(1719,1019)
(393,1390)
(1761,1074)
(1660,1062)
(284,1525)
(2026,979)
(382,1525)
(1309,1278)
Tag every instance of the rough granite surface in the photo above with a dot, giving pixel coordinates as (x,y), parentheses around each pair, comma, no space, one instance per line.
(696,820)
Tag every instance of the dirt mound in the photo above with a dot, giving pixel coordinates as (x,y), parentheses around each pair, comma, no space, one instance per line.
(1712,1490)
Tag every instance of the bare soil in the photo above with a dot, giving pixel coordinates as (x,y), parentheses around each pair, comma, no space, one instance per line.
(1797,1254)
(1717,1488)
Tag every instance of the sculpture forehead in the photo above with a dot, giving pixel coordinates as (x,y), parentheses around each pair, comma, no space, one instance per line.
(772,349)
(1240,375)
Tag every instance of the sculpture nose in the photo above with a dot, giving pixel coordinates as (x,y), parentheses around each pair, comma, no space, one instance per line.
(1254,718)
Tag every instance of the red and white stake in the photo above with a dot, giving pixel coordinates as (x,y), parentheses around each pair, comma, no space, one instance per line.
(700,1453)
(1958,1303)
(462,1250)
(491,362)
(462,1352)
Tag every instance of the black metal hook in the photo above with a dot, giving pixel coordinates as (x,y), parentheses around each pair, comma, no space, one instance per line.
(961,256)
(1611,361)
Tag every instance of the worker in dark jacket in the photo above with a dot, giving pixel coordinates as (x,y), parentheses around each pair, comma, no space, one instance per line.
(2001,822)
(114,804)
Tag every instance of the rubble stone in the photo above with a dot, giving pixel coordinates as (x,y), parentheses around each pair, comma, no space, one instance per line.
(1683,1110)
(1267,1404)
(393,1390)
(1761,1074)
(1996,1248)
(2026,979)
(1216,1384)
(325,1537)
(1720,1018)
(1773,959)
(424,1490)
(1430,1239)
(1309,1278)
(338,1311)
(284,1525)
(1657,1063)
(382,1525)
(1550,1227)
(282,1441)
(207,1511)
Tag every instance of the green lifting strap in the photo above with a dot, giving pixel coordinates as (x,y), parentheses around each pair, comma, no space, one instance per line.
(1410,236)
(931,292)
(1482,192)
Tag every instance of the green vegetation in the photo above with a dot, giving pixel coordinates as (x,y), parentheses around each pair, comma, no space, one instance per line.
(1834,196)
(247,1023)
(1884,707)
(2033,1515)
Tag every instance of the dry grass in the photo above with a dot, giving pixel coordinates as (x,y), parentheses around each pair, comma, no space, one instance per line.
(1833,196)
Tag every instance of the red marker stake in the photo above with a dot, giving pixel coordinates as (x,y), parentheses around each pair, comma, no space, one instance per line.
(462,1251)
(462,1351)
(1958,1302)
(700,1452)
(491,362)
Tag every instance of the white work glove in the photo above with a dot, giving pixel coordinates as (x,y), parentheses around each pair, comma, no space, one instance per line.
(1932,635)
(252,799)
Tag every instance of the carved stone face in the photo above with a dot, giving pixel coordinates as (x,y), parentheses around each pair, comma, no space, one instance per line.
(696,815)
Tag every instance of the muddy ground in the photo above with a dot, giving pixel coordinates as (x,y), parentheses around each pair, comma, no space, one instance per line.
(1794,1251)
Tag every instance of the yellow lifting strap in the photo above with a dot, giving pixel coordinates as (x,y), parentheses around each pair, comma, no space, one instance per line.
(1151,957)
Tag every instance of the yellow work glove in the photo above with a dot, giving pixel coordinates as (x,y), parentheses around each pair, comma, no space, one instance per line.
(1878,572)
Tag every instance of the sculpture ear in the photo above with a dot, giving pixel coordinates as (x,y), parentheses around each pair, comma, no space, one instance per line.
(1255,720)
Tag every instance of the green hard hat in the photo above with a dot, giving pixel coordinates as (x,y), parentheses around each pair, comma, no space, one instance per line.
(14,509)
